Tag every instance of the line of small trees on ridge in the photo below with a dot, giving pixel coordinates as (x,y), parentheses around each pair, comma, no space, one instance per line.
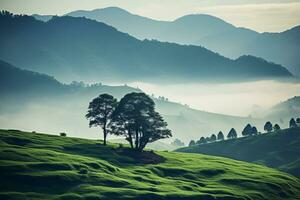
(133,117)
(247,131)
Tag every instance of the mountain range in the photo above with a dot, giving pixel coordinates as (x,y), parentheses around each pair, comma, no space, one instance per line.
(76,48)
(208,31)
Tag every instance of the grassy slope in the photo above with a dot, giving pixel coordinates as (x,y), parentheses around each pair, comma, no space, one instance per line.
(279,150)
(39,166)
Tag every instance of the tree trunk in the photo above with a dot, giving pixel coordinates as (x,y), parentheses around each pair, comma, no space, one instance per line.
(143,145)
(136,139)
(104,136)
(130,138)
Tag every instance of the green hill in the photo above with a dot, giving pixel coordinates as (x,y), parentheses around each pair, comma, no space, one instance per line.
(279,150)
(40,166)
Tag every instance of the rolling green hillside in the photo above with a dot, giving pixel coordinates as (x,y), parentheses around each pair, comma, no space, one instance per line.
(40,166)
(280,150)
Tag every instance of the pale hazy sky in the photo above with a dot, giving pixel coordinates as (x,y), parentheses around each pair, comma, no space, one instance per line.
(260,15)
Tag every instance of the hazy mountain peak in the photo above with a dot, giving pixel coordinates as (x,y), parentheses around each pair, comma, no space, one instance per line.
(112,9)
(201,18)
(108,14)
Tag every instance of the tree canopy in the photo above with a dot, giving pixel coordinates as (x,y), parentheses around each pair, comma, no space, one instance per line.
(136,119)
(202,140)
(268,127)
(247,130)
(220,136)
(232,134)
(213,138)
(192,143)
(276,127)
(100,111)
(254,131)
(293,123)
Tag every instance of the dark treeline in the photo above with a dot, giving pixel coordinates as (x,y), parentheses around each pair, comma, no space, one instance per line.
(249,130)
(133,117)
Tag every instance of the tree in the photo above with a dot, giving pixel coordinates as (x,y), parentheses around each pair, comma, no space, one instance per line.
(293,123)
(136,119)
(254,131)
(178,142)
(207,139)
(298,120)
(202,141)
(192,143)
(247,130)
(213,138)
(232,134)
(268,127)
(100,111)
(63,134)
(220,136)
(276,127)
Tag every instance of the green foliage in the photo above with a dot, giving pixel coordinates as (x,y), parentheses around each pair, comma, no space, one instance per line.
(201,141)
(100,111)
(247,130)
(61,134)
(254,131)
(192,143)
(40,166)
(279,149)
(232,134)
(276,127)
(293,123)
(136,119)
(268,127)
(220,136)
(213,138)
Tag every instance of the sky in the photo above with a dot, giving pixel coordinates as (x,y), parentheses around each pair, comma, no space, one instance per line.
(259,15)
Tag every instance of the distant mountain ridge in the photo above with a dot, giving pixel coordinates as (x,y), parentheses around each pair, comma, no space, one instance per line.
(72,48)
(208,31)
(284,111)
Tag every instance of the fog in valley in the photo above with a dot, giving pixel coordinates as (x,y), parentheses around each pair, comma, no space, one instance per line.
(198,109)
(238,99)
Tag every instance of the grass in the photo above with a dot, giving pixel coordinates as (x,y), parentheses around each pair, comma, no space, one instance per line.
(40,166)
(279,149)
